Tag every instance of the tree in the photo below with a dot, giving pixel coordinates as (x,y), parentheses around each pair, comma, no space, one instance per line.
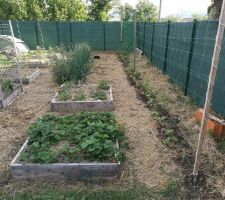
(77,11)
(172,18)
(199,17)
(146,11)
(35,9)
(127,12)
(214,9)
(98,10)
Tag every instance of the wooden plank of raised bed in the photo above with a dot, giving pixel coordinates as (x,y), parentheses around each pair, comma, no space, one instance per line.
(67,171)
(31,78)
(10,98)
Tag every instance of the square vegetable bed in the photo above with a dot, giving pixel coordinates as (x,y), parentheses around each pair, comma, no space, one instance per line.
(89,97)
(9,96)
(29,75)
(77,147)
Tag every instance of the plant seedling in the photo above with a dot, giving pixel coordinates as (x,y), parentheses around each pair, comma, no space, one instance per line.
(79,96)
(99,95)
(103,85)
(7,85)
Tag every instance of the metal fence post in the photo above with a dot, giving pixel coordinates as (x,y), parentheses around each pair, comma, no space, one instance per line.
(190,56)
(58,37)
(167,43)
(71,34)
(104,35)
(153,32)
(36,31)
(144,39)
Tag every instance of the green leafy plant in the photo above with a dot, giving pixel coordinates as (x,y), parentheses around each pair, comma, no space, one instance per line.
(99,95)
(79,96)
(7,85)
(64,95)
(72,138)
(103,85)
(74,64)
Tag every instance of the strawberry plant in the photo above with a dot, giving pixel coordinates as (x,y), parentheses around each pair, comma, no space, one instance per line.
(103,85)
(85,136)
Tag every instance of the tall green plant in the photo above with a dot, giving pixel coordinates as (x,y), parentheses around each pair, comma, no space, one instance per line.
(73,64)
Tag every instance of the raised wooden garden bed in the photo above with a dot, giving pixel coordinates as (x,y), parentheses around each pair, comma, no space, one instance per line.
(58,105)
(35,63)
(66,171)
(31,77)
(7,99)
(84,146)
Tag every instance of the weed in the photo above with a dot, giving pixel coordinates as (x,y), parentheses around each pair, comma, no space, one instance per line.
(171,190)
(7,85)
(103,85)
(221,145)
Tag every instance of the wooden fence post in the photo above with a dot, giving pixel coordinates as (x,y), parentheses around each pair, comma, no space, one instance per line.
(167,43)
(212,77)
(190,56)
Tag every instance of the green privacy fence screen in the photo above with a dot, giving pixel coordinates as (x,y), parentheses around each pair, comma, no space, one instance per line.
(184,51)
(99,35)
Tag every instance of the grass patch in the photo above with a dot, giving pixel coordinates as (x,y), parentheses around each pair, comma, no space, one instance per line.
(86,136)
(137,192)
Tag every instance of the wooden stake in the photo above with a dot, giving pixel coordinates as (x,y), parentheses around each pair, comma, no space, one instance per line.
(212,77)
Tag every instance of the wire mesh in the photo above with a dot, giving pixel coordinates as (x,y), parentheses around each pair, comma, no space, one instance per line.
(184,52)
(9,76)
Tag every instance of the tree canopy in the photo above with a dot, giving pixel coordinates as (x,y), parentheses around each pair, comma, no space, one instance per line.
(146,11)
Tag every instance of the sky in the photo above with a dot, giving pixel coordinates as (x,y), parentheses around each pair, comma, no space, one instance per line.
(183,8)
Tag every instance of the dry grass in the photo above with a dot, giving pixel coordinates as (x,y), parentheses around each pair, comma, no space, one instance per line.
(171,97)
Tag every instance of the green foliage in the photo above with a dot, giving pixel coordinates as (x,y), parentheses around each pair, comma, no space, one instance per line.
(79,96)
(103,85)
(73,65)
(146,11)
(64,95)
(7,85)
(127,12)
(221,145)
(99,95)
(137,192)
(171,190)
(99,9)
(72,138)
(43,10)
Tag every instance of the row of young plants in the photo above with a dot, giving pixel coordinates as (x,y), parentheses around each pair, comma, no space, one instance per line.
(98,93)
(171,134)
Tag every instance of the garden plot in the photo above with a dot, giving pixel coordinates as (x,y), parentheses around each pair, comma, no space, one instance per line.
(36,59)
(8,92)
(73,147)
(93,97)
(29,75)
